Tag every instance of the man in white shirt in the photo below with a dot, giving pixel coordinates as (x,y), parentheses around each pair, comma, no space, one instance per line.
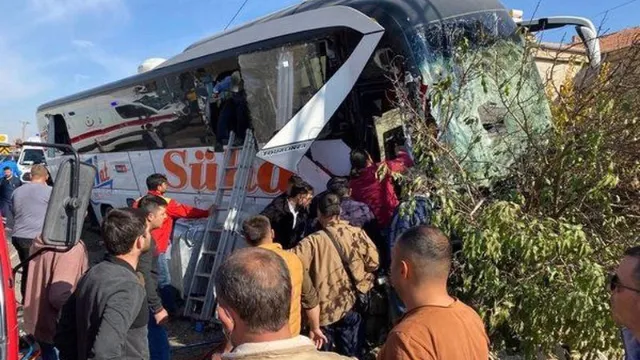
(289,213)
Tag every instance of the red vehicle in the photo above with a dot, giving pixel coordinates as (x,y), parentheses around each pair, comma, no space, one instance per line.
(9,337)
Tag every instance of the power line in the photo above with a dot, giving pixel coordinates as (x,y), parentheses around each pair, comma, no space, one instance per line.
(237,13)
(605,13)
(24,129)
(616,7)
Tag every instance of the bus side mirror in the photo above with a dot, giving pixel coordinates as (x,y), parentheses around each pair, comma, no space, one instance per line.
(589,38)
(584,27)
(65,213)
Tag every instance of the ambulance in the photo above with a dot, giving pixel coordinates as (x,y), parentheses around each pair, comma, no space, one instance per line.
(29,156)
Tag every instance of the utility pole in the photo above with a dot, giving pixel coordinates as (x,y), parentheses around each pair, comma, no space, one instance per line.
(24,129)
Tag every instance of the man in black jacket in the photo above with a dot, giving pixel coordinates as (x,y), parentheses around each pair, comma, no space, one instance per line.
(8,184)
(159,348)
(106,317)
(289,212)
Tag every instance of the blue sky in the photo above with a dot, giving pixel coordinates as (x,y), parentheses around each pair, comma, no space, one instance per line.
(52,48)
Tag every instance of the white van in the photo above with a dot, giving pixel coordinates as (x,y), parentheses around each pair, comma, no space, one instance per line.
(29,156)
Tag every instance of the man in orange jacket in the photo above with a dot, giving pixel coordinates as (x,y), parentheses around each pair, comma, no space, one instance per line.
(157,184)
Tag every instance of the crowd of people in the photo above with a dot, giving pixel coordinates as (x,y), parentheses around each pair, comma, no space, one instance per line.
(117,308)
(302,289)
(341,237)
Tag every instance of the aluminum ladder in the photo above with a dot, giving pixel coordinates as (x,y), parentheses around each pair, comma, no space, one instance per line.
(220,240)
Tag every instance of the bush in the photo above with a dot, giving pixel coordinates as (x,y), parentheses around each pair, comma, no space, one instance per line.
(544,211)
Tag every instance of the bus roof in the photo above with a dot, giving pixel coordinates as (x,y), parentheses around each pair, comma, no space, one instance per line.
(412,12)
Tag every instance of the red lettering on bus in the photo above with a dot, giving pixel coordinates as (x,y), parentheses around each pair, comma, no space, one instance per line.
(176,169)
(266,175)
(211,169)
(104,173)
(207,180)
(203,173)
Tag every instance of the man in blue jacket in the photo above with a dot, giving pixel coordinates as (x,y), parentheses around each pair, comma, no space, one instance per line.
(7,185)
(12,163)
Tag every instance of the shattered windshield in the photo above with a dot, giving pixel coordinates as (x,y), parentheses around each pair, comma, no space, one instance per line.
(486,93)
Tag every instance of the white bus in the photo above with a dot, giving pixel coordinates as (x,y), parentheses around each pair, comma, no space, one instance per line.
(311,80)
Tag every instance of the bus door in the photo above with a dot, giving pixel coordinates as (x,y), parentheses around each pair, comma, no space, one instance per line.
(379,120)
(390,67)
(57,133)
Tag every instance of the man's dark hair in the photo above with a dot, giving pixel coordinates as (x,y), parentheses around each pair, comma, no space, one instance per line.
(295,179)
(151,203)
(428,249)
(329,205)
(256,284)
(339,186)
(635,253)
(156,180)
(301,187)
(6,168)
(358,160)
(121,228)
(255,229)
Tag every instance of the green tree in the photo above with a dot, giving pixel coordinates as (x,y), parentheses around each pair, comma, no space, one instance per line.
(544,207)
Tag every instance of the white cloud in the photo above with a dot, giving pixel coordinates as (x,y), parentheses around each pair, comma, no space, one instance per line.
(116,66)
(82,43)
(80,78)
(58,10)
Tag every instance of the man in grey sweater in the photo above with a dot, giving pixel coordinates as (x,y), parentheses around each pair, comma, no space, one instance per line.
(29,208)
(107,316)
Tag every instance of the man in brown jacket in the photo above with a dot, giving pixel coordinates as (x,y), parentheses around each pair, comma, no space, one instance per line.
(53,277)
(254,298)
(436,325)
(321,256)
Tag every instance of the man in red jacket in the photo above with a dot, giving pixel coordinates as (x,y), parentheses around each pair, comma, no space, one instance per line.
(158,185)
(379,194)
